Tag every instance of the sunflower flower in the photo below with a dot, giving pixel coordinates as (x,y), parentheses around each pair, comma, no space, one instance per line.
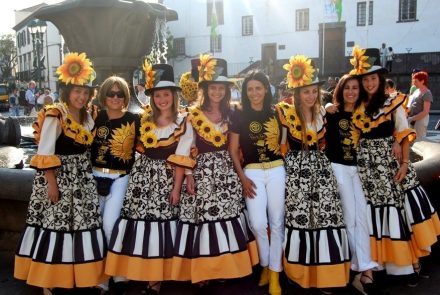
(147,126)
(359,61)
(206,130)
(149,74)
(354,136)
(218,138)
(189,87)
(207,67)
(149,139)
(311,137)
(300,71)
(76,69)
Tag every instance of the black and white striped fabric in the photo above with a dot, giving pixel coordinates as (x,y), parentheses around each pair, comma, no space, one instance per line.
(316,247)
(212,238)
(56,247)
(147,239)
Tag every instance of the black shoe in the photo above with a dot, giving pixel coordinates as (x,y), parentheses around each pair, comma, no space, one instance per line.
(369,286)
(119,288)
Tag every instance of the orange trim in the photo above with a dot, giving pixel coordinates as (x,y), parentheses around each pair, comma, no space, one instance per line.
(425,234)
(138,268)
(318,276)
(385,250)
(45,162)
(411,133)
(47,275)
(226,266)
(182,161)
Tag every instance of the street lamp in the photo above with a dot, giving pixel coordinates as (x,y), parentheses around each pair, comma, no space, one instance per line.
(37,28)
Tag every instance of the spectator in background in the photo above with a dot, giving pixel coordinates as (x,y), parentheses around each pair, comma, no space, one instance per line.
(13,102)
(30,98)
(418,116)
(141,96)
(331,84)
(47,97)
(390,87)
(383,55)
(390,58)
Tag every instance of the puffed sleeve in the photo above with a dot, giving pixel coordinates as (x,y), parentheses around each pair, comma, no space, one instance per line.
(401,128)
(183,151)
(45,158)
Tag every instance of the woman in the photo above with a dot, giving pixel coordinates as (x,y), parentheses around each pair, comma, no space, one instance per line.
(212,240)
(141,247)
(63,244)
(113,150)
(341,142)
(418,115)
(255,130)
(316,252)
(403,224)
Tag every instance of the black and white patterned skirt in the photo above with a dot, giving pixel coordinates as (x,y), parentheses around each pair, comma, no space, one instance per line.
(316,252)
(213,239)
(403,223)
(142,238)
(66,236)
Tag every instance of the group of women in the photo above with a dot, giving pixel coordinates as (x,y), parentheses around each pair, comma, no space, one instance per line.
(320,192)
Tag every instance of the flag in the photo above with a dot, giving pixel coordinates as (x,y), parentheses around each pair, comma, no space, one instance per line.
(338,7)
(214,21)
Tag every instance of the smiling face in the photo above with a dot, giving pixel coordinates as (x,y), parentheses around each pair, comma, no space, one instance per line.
(216,92)
(350,92)
(115,99)
(78,97)
(163,99)
(308,96)
(256,93)
(371,83)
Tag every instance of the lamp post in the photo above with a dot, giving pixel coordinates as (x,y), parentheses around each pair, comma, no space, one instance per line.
(37,28)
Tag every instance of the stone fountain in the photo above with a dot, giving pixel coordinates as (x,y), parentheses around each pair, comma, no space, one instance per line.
(116,35)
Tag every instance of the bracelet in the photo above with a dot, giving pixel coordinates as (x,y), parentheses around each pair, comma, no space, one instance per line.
(406,162)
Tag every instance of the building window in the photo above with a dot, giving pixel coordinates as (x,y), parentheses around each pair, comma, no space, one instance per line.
(370,13)
(247,25)
(302,19)
(216,43)
(217,9)
(28,36)
(179,46)
(407,10)
(20,63)
(361,13)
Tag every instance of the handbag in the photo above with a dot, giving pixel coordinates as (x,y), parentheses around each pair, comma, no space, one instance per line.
(103,185)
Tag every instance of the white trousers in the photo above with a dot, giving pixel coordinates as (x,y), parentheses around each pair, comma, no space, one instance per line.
(354,207)
(111,204)
(268,205)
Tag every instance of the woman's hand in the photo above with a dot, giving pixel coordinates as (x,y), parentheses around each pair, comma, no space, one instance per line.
(401,174)
(174,196)
(248,187)
(190,185)
(331,108)
(397,151)
(52,192)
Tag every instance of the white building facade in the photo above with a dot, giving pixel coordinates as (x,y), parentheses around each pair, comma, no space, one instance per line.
(51,51)
(273,30)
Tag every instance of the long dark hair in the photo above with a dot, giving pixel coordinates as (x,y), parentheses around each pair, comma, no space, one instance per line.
(225,108)
(338,95)
(262,78)
(377,100)
(64,97)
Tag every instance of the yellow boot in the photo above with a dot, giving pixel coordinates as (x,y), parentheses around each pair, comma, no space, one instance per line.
(274,283)
(264,278)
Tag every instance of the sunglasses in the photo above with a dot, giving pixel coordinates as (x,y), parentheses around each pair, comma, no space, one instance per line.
(119,94)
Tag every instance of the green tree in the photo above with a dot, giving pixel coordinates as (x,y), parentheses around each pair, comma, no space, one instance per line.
(8,56)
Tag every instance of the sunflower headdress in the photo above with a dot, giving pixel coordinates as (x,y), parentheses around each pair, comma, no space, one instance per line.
(301,72)
(365,61)
(76,70)
(212,70)
(158,76)
(189,87)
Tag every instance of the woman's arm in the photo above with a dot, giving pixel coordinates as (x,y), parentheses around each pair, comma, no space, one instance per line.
(423,113)
(403,169)
(247,184)
(178,179)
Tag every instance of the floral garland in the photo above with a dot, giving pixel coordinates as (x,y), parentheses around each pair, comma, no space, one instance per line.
(294,124)
(82,136)
(206,129)
(147,135)
(362,121)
